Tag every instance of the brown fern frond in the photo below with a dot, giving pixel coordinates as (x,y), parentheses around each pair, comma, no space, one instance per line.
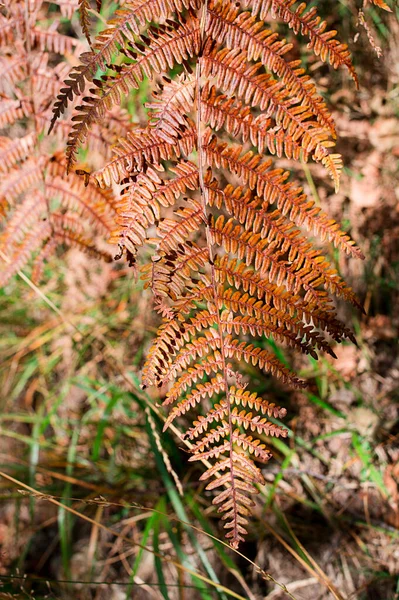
(14,151)
(322,313)
(235,75)
(142,146)
(53,41)
(223,233)
(261,229)
(242,418)
(221,111)
(256,356)
(211,364)
(12,71)
(217,413)
(66,230)
(241,474)
(307,22)
(41,258)
(173,232)
(68,7)
(122,28)
(84,8)
(11,111)
(160,367)
(272,186)
(362,21)
(268,258)
(22,221)
(242,465)
(210,388)
(157,370)
(20,254)
(19,180)
(43,210)
(89,203)
(172,273)
(142,199)
(160,49)
(267,320)
(245,398)
(168,113)
(228,25)
(9,27)
(251,325)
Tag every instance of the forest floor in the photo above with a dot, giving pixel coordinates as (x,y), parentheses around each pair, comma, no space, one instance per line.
(75,426)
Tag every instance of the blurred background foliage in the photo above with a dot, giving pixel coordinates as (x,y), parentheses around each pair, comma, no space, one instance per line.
(96,503)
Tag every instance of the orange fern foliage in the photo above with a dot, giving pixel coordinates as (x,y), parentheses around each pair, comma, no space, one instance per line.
(232,259)
(43,210)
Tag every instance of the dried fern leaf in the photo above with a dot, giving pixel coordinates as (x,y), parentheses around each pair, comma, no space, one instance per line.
(228,25)
(84,8)
(14,151)
(224,234)
(307,22)
(160,49)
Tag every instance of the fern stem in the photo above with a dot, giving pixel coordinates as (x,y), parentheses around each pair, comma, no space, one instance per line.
(203,192)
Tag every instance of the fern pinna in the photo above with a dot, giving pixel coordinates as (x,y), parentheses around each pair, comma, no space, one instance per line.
(42,209)
(233,259)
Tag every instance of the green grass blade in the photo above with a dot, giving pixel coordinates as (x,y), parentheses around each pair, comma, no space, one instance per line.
(158,563)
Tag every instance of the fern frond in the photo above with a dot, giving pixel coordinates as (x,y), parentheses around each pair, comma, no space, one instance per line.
(177,268)
(122,28)
(43,210)
(14,151)
(42,257)
(241,475)
(228,255)
(246,420)
(162,48)
(307,22)
(211,364)
(160,367)
(9,27)
(68,7)
(84,18)
(67,231)
(255,356)
(210,388)
(267,320)
(140,146)
(322,313)
(12,71)
(53,41)
(381,4)
(221,111)
(264,229)
(272,186)
(19,180)
(21,253)
(11,111)
(90,202)
(173,232)
(235,75)
(157,370)
(22,221)
(228,25)
(267,258)
(168,113)
(142,199)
